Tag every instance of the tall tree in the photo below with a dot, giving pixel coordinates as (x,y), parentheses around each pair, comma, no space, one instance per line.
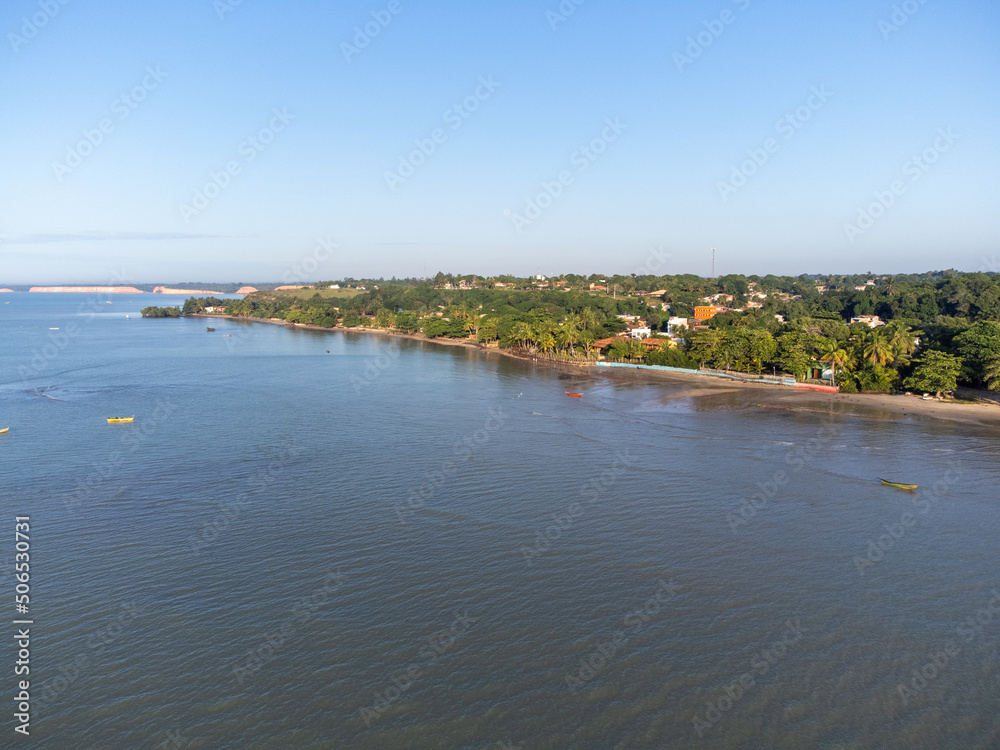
(991,373)
(935,372)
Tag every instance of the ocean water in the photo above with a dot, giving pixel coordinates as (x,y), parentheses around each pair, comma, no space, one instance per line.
(343,540)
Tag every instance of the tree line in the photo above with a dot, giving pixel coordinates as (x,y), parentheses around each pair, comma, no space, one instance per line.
(941,328)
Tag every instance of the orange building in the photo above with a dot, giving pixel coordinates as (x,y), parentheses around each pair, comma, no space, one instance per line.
(707,312)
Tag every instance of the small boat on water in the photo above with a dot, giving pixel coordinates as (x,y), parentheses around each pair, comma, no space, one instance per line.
(574,395)
(120,419)
(4,430)
(897,485)
(209,328)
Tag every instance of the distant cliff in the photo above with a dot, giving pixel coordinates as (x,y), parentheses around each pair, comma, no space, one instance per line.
(245,290)
(88,289)
(192,292)
(11,290)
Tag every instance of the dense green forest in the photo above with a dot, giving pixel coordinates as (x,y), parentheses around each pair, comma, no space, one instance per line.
(941,328)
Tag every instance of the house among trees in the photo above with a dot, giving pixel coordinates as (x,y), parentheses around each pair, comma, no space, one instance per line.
(872,321)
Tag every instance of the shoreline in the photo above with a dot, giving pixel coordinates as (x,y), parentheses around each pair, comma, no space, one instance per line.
(770,397)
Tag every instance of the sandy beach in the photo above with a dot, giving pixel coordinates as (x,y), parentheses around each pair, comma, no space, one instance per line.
(982,412)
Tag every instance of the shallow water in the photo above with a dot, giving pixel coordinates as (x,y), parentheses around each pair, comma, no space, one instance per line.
(396,544)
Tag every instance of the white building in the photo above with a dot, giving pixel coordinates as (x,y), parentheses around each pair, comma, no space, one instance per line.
(674,323)
(640,333)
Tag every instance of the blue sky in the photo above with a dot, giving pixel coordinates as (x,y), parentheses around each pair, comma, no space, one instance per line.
(781,133)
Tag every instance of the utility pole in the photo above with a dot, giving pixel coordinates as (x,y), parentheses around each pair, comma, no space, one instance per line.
(713,262)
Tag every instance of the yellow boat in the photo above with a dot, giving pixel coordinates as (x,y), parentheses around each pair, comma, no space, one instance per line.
(4,430)
(898,485)
(120,419)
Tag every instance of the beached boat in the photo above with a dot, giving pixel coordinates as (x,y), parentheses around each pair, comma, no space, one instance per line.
(897,485)
(4,430)
(574,395)
(120,419)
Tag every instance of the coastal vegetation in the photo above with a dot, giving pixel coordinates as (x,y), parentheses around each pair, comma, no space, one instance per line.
(161,312)
(926,332)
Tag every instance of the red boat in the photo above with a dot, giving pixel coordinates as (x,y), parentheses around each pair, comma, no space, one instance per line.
(574,395)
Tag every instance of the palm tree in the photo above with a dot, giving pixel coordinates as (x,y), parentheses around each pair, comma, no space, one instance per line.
(876,348)
(546,342)
(587,318)
(472,325)
(523,333)
(488,329)
(902,339)
(836,355)
(637,350)
(567,335)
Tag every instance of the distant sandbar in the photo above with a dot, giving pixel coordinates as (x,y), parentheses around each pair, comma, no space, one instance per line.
(88,289)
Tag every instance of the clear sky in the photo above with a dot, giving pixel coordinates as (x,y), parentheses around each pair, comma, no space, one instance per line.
(556,138)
